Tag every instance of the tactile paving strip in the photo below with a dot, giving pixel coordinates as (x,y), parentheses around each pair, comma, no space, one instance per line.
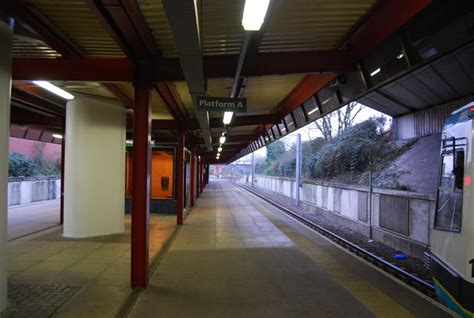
(33,300)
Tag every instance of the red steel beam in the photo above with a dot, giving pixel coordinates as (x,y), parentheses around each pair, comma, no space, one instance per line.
(121,96)
(138,20)
(24,117)
(121,70)
(179,103)
(171,103)
(248,120)
(36,102)
(141,187)
(383,20)
(309,86)
(126,24)
(96,70)
(66,48)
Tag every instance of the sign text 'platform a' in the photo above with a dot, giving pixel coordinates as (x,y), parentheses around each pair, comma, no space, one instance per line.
(221,104)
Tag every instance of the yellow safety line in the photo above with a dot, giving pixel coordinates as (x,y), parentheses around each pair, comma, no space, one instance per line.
(370,296)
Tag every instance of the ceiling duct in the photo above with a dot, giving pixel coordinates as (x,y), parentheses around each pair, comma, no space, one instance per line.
(182,18)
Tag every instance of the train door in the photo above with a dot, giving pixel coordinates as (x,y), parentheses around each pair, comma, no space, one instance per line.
(449,203)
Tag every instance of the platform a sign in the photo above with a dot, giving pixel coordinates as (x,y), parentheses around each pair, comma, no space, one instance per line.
(221,104)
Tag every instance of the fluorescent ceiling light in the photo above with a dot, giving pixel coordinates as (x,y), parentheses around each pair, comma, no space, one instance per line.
(58,136)
(54,89)
(375,72)
(219,149)
(254,14)
(313,110)
(222,139)
(129,142)
(227,118)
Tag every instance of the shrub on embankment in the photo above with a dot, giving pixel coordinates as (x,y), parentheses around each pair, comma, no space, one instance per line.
(351,152)
(21,166)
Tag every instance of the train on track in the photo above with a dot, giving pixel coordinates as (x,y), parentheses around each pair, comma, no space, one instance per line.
(452,236)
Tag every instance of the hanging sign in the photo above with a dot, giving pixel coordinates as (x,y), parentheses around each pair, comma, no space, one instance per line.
(221,104)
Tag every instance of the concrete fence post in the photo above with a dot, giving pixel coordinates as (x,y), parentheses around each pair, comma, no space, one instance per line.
(298,169)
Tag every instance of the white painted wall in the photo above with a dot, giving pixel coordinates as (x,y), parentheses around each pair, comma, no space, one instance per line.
(21,192)
(94,167)
(344,200)
(5,95)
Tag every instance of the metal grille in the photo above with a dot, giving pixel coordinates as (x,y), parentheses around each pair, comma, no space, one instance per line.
(394,215)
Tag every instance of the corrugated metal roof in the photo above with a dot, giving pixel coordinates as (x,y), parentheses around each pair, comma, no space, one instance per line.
(76,21)
(220,26)
(265,93)
(302,25)
(156,18)
(32,48)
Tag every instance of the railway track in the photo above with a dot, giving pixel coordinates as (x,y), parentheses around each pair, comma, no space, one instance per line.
(404,276)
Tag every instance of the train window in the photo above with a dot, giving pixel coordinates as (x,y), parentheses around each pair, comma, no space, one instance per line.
(450,192)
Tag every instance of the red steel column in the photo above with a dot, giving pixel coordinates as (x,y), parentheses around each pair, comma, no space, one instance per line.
(141,185)
(193,175)
(180,178)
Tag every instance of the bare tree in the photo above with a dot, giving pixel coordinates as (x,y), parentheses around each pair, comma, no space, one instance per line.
(336,122)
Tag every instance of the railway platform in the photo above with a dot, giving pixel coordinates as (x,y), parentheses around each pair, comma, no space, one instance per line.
(238,256)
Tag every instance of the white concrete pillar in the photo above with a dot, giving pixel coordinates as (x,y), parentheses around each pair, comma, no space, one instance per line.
(94,189)
(6,28)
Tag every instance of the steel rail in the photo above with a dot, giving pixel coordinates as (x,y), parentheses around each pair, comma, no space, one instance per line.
(406,277)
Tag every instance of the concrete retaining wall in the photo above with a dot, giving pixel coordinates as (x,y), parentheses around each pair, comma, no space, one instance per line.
(399,219)
(27,190)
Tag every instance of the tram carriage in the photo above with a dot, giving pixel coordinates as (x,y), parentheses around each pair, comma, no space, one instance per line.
(452,236)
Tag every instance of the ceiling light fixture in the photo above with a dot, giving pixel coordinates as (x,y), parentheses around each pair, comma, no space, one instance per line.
(312,111)
(222,139)
(227,118)
(375,72)
(57,136)
(254,14)
(54,89)
(219,149)
(400,56)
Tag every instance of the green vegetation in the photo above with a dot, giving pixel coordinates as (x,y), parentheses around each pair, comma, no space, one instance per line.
(348,153)
(21,166)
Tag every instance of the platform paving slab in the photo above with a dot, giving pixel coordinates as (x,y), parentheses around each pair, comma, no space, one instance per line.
(236,257)
(95,271)
(26,219)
